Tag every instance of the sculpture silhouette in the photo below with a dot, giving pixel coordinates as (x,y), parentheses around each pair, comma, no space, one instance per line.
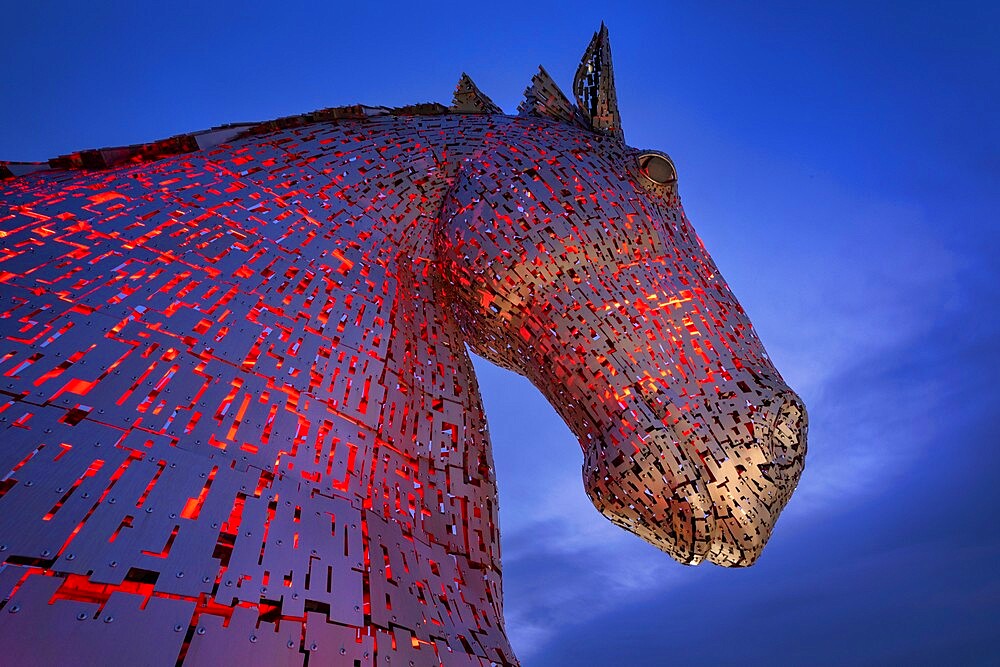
(240,425)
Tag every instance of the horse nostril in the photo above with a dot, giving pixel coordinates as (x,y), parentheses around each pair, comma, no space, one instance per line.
(788,439)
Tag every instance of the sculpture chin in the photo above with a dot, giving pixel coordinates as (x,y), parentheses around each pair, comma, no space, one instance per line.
(694,507)
(692,536)
(682,525)
(739,543)
(740,548)
(728,525)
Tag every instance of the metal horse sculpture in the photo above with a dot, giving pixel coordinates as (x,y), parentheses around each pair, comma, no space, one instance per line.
(240,424)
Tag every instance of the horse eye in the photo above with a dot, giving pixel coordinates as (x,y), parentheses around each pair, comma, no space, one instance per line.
(657,169)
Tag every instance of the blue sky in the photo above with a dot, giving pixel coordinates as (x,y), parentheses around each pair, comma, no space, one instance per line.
(842,165)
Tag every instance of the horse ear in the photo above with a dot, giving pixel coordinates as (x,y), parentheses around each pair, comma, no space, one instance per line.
(544,99)
(594,87)
(469,99)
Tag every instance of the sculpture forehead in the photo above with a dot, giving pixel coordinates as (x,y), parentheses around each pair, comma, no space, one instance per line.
(568,197)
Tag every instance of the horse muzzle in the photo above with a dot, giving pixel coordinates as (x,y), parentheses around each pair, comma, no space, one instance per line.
(747,505)
(696,506)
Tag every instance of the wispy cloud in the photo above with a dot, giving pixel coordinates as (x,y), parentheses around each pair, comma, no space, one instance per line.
(568,557)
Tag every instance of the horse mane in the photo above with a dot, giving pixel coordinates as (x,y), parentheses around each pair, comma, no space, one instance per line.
(542,99)
(189,142)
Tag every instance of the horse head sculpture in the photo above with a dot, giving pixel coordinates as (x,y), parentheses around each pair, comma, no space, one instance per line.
(581,272)
(239,420)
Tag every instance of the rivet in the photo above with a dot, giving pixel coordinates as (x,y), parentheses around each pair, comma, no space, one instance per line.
(253,639)
(70,556)
(82,616)
(178,627)
(201,631)
(109,619)
(14,608)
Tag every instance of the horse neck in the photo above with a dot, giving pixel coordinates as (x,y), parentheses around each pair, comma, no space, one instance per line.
(316,443)
(405,394)
(401,361)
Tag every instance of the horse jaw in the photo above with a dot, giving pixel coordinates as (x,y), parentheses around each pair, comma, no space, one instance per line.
(693,507)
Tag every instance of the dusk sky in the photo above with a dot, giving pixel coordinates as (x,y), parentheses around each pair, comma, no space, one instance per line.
(841,164)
